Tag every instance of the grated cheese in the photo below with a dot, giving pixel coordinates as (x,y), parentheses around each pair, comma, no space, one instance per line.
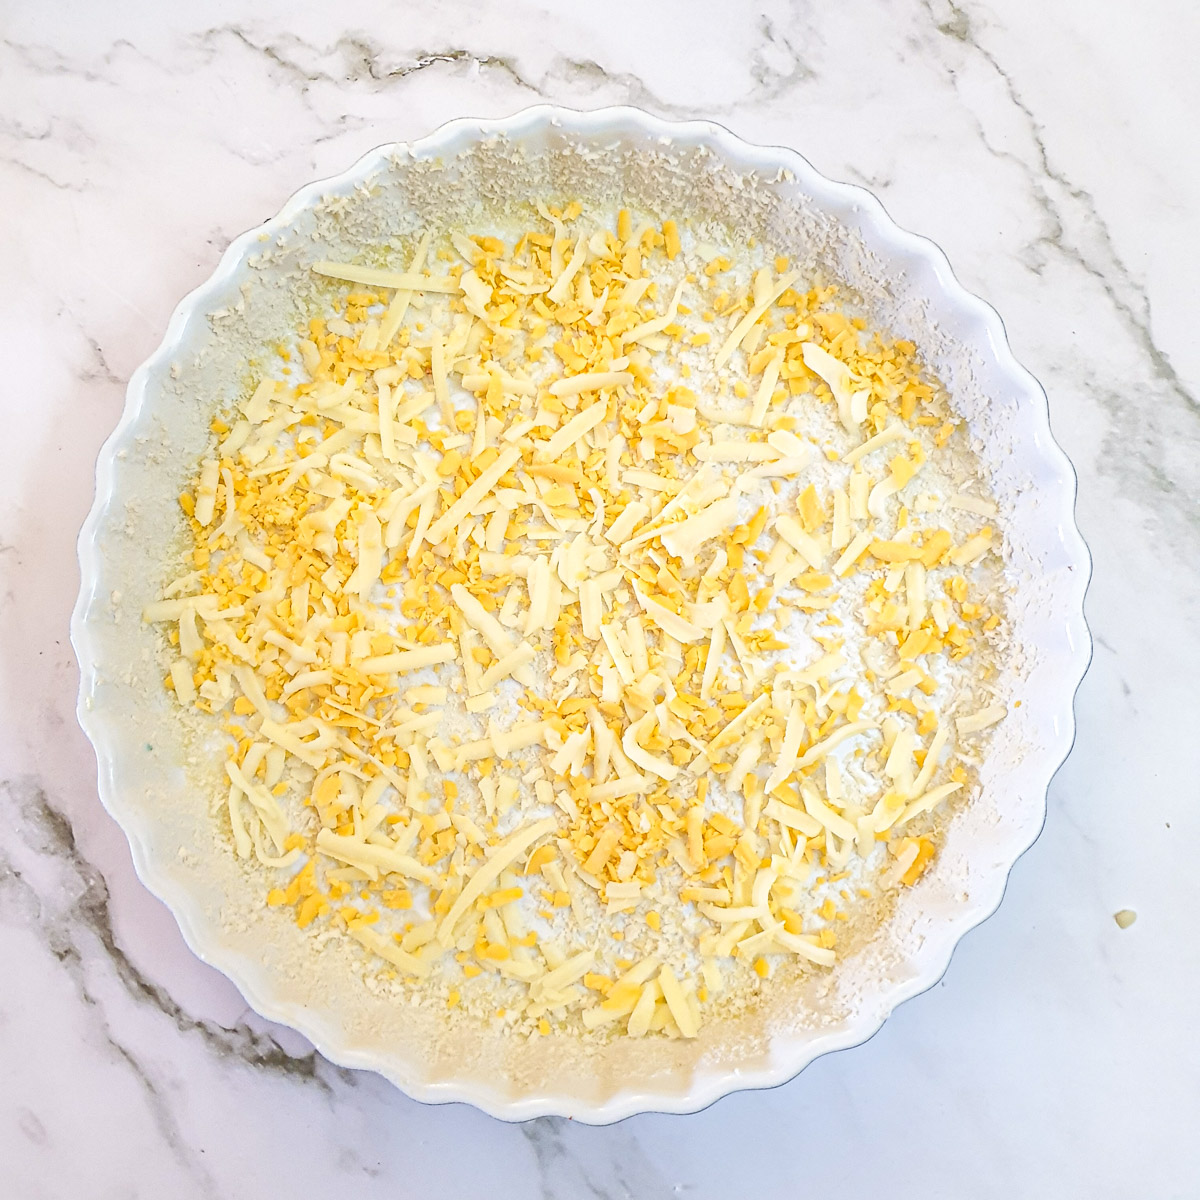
(504,605)
(374,277)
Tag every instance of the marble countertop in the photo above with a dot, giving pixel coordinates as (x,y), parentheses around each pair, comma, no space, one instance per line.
(1046,148)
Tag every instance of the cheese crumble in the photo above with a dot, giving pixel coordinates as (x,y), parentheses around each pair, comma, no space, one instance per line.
(599,621)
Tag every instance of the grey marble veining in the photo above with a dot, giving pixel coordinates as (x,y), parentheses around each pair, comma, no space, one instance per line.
(1046,148)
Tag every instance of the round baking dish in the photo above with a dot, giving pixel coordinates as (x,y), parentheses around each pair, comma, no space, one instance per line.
(906,284)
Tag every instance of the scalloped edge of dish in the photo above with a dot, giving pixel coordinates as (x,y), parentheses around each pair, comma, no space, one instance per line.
(847,200)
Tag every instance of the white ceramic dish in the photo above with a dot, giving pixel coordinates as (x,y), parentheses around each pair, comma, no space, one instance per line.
(903,280)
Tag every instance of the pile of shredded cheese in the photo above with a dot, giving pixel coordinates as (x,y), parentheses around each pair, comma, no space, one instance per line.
(597,619)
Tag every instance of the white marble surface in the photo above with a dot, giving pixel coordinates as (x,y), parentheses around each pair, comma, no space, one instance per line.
(1051,150)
